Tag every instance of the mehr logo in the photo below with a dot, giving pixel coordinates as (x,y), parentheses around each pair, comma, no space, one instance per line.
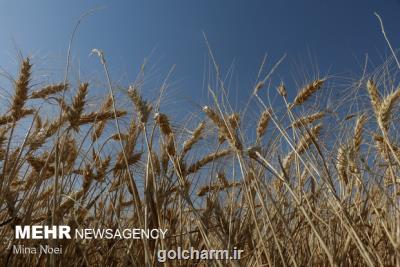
(64,232)
(42,232)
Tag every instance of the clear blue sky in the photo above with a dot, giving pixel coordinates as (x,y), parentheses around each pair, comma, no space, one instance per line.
(336,35)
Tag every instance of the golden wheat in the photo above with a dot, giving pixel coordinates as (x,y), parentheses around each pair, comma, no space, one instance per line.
(337,189)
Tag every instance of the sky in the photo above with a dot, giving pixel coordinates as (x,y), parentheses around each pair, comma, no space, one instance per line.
(332,37)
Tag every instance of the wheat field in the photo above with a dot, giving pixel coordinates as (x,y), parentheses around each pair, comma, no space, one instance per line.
(303,184)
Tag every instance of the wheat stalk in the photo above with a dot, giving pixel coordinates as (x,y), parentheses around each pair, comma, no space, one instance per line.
(304,121)
(49,90)
(78,103)
(307,91)
(263,124)
(374,95)
(21,89)
(386,108)
(357,138)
